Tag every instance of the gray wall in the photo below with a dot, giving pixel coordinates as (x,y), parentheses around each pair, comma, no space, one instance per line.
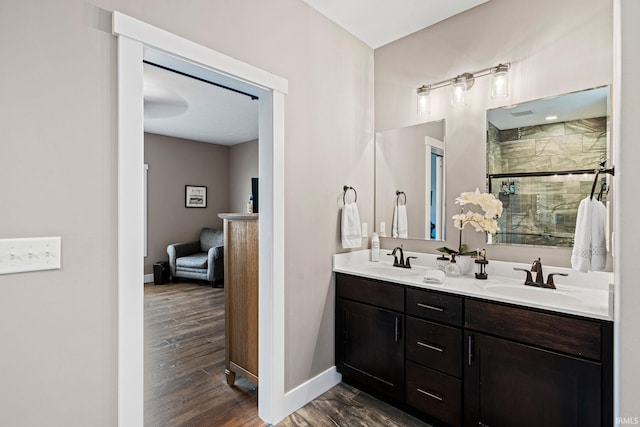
(59,132)
(174,163)
(627,93)
(243,165)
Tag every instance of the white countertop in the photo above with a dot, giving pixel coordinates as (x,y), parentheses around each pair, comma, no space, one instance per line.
(583,294)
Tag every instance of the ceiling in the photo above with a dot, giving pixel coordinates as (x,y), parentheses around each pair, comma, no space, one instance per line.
(183,107)
(379,22)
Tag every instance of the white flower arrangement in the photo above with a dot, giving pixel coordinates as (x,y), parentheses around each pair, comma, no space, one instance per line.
(486,222)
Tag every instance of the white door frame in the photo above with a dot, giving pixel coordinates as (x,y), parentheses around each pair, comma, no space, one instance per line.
(133,35)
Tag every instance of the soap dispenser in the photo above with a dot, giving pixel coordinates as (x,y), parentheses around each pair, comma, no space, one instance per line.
(375,247)
(453,269)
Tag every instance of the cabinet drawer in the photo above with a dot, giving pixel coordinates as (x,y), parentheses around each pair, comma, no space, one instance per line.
(435,306)
(371,292)
(433,393)
(435,346)
(551,331)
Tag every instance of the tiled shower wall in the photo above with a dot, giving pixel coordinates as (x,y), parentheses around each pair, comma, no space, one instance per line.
(541,210)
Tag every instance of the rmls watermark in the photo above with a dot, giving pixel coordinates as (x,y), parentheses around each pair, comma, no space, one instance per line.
(627,420)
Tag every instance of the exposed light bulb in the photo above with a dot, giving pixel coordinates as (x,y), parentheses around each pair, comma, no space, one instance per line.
(458,88)
(500,81)
(423,99)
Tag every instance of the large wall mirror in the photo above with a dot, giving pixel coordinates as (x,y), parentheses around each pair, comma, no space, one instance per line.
(541,162)
(409,182)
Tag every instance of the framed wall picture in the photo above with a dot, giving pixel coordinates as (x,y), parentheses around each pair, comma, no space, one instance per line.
(195,196)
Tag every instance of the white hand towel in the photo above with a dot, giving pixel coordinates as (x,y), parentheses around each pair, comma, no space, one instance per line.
(400,223)
(403,226)
(350,226)
(394,223)
(589,246)
(598,236)
(434,276)
(581,254)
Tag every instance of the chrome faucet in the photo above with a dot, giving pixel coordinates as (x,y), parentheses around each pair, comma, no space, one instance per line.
(536,268)
(400,262)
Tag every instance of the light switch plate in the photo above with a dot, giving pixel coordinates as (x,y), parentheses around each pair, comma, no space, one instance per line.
(30,254)
(365,229)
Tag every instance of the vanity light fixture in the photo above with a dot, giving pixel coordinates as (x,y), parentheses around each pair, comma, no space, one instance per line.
(463,82)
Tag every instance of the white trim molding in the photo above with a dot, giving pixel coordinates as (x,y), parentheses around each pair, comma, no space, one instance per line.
(309,390)
(134,37)
(124,25)
(130,234)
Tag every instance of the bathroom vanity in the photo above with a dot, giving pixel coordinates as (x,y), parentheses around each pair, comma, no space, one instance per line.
(477,353)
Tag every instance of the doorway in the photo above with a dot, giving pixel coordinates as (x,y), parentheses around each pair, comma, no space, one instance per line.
(197,131)
(133,37)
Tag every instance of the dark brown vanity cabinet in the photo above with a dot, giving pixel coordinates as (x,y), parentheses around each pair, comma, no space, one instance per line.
(530,368)
(370,334)
(472,362)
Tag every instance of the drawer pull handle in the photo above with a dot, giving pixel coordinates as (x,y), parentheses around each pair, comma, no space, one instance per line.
(429,307)
(430,347)
(434,396)
(397,329)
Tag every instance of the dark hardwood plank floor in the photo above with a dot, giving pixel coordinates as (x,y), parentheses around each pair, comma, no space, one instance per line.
(346,406)
(185,383)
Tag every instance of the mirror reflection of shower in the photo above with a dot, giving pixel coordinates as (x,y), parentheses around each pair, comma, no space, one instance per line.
(541,161)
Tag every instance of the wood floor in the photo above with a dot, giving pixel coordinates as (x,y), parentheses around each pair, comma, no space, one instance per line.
(184,372)
(184,361)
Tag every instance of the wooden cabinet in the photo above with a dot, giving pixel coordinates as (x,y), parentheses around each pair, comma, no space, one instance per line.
(511,384)
(241,295)
(370,335)
(530,368)
(465,361)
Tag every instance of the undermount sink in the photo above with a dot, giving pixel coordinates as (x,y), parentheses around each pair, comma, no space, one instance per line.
(386,270)
(550,296)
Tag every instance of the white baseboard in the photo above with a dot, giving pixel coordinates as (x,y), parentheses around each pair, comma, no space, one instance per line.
(148,278)
(306,392)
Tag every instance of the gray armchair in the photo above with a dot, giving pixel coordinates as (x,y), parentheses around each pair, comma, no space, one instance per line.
(202,259)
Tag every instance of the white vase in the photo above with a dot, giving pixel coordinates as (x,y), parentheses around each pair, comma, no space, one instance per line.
(465,263)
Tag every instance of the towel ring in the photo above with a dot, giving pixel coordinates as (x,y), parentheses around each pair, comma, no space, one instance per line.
(398,194)
(344,194)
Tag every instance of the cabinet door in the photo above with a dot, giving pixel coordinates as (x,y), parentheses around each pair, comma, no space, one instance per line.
(370,346)
(509,384)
